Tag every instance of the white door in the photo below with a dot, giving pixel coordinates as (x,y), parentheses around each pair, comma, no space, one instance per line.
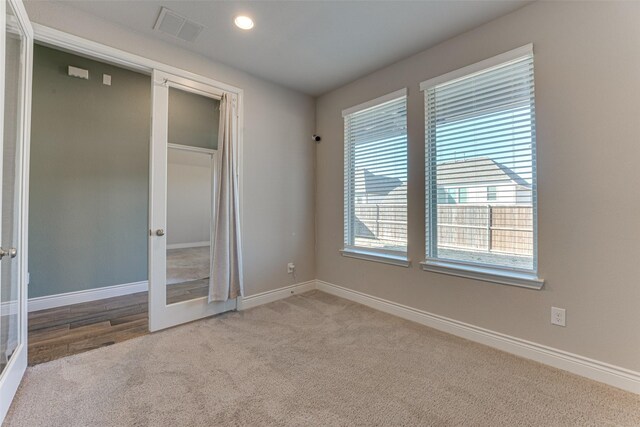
(183,142)
(16,53)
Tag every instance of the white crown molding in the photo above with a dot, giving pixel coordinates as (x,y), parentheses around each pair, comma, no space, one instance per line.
(593,369)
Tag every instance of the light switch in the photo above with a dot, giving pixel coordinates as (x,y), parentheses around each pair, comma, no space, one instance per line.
(106,79)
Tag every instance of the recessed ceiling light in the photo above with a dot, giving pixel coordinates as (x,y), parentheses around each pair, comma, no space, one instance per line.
(243,22)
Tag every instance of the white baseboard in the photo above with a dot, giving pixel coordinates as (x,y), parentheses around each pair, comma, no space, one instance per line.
(188,245)
(593,369)
(275,295)
(9,308)
(59,300)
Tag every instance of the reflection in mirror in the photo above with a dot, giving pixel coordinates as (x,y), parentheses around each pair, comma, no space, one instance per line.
(192,140)
(9,268)
(193,119)
(189,209)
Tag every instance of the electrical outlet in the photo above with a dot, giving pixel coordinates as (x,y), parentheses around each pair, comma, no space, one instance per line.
(558,316)
(291,267)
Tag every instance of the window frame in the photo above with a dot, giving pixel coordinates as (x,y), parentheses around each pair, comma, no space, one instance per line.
(492,193)
(385,256)
(463,195)
(484,272)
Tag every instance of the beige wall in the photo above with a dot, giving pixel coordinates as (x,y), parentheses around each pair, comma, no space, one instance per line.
(278,155)
(587,76)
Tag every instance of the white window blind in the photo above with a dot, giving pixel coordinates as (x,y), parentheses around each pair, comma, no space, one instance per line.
(375,180)
(480,165)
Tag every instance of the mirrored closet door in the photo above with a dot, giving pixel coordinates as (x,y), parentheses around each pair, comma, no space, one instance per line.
(184,142)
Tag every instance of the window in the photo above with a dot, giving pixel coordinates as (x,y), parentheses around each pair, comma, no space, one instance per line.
(492,193)
(375,179)
(480,134)
(462,196)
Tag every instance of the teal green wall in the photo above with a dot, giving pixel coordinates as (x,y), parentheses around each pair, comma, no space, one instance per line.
(89,176)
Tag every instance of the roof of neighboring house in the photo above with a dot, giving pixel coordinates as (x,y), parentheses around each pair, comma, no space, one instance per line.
(477,170)
(378,184)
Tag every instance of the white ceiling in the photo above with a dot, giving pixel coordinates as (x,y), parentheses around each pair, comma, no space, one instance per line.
(310,46)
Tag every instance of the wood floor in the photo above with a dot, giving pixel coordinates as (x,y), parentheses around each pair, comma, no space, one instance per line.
(63,331)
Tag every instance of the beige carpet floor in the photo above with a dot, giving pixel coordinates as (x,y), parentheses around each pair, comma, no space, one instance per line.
(309,360)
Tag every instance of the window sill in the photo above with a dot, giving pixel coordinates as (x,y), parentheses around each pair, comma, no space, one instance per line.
(385,258)
(486,274)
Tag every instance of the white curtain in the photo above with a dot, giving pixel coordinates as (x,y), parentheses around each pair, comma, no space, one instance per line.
(226,269)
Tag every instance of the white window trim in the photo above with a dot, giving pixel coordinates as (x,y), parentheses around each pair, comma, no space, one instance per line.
(478,67)
(371,254)
(487,273)
(385,257)
(374,102)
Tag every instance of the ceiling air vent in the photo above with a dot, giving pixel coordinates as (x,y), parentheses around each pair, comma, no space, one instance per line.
(176,25)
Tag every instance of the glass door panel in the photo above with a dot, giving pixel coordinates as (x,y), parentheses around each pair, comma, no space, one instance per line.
(9,285)
(16,54)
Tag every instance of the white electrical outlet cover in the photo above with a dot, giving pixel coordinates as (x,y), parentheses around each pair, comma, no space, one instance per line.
(558,316)
(106,79)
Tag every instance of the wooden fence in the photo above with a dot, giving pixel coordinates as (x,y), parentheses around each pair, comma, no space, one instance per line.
(384,223)
(488,228)
(499,228)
